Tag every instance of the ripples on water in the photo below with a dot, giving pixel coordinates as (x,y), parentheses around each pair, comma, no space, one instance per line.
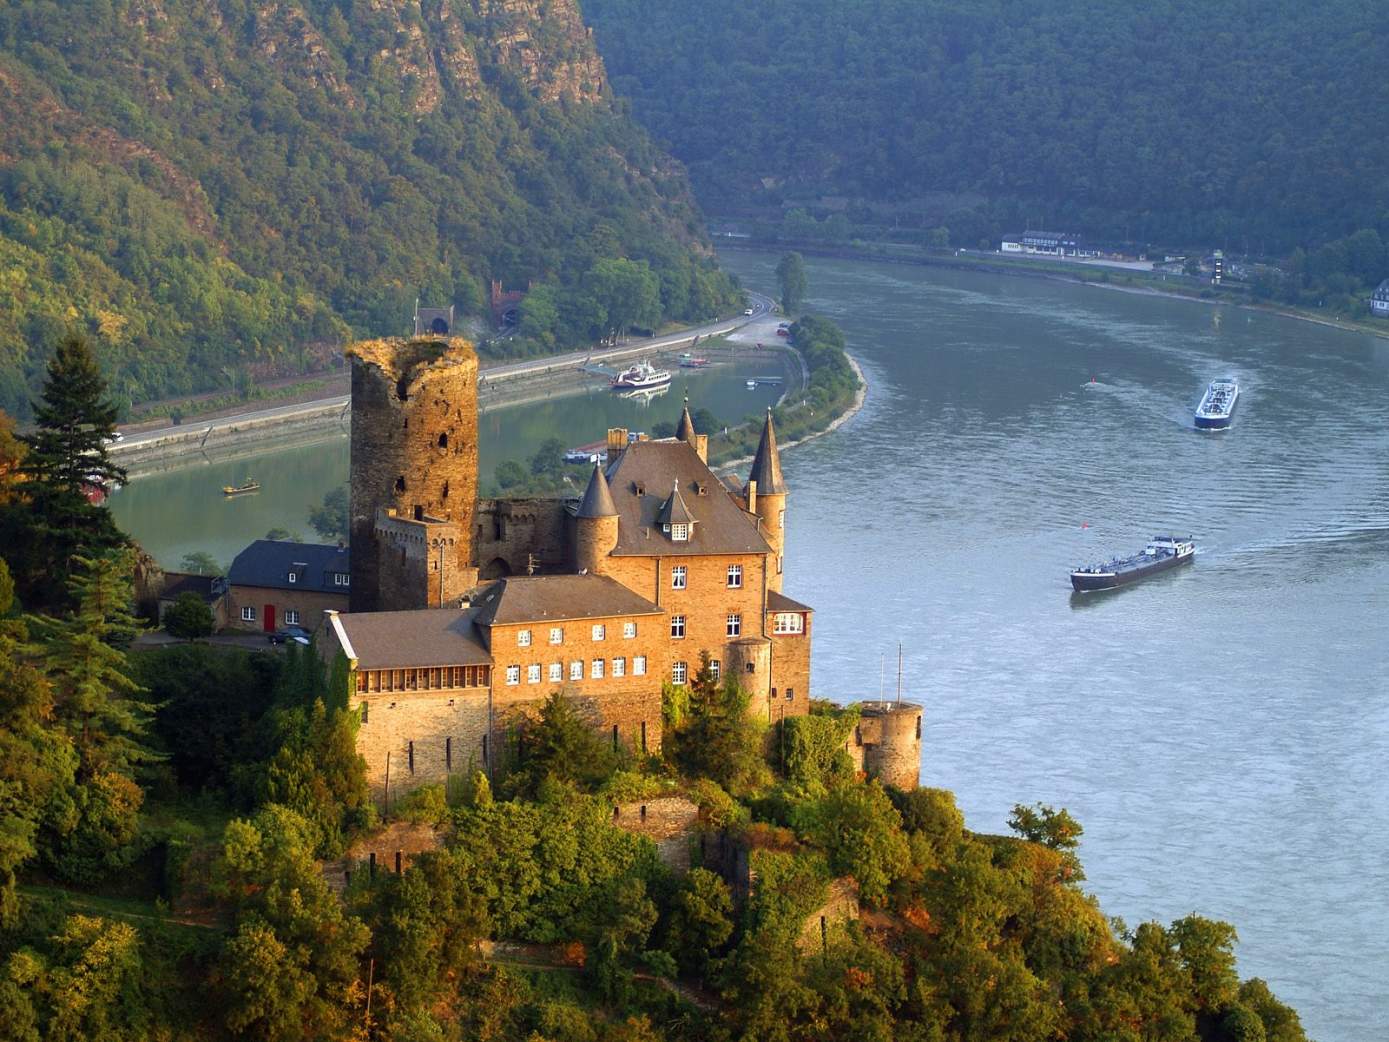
(1220,731)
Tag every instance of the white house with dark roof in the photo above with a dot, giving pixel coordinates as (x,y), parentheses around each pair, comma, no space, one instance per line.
(1379,300)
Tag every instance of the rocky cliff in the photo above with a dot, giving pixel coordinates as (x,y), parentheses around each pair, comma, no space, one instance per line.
(216,189)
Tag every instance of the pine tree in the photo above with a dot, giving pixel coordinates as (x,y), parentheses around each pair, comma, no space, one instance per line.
(84,661)
(66,459)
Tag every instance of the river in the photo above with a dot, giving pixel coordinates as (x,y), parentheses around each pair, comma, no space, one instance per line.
(1220,731)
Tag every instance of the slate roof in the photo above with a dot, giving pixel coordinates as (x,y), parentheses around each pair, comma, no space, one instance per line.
(208,587)
(403,639)
(269,562)
(722,526)
(766,465)
(1382,291)
(686,430)
(555,598)
(674,511)
(780,602)
(597,501)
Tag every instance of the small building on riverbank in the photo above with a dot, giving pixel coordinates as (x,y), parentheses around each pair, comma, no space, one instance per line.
(1379,300)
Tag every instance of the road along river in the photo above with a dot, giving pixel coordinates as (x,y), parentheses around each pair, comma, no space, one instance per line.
(1222,731)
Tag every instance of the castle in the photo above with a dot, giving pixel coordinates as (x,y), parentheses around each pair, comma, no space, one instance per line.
(465,615)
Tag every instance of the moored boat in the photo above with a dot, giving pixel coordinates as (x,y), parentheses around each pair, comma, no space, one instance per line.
(240,490)
(1217,406)
(640,377)
(693,363)
(594,452)
(1161,553)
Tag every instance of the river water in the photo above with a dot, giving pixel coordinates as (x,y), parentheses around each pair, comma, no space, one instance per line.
(1219,731)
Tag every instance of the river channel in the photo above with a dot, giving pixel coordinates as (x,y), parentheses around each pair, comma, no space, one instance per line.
(1221,732)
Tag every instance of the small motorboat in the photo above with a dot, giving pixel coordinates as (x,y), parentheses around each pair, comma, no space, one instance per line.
(242,489)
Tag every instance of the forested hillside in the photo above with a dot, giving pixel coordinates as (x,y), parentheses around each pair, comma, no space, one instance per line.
(1256,127)
(221,190)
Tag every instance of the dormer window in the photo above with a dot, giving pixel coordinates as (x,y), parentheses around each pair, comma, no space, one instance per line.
(294,577)
(679,532)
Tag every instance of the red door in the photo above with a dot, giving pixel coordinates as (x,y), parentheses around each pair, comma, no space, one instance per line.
(269,615)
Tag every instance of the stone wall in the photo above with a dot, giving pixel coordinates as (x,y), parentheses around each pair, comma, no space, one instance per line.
(671,822)
(822,925)
(508,532)
(791,667)
(413,450)
(309,604)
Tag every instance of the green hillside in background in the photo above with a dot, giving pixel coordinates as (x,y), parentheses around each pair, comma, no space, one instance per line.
(222,191)
(1252,127)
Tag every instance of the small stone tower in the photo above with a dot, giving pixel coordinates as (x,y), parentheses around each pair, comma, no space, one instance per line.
(413,472)
(886,744)
(595,525)
(766,497)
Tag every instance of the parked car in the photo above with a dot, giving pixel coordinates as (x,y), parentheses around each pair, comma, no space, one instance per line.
(747,311)
(783,332)
(287,633)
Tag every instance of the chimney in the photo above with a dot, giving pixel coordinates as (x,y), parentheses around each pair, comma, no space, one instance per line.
(617,441)
(702,446)
(752,495)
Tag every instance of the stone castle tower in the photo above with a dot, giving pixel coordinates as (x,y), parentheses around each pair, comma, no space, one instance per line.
(886,744)
(414,469)
(765,495)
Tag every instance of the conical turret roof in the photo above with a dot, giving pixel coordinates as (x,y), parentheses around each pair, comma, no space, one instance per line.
(685,431)
(766,465)
(598,498)
(674,511)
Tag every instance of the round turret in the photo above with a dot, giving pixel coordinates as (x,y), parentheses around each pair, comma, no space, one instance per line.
(413,451)
(766,497)
(886,744)
(595,525)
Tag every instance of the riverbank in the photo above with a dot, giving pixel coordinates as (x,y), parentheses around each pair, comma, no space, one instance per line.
(1126,280)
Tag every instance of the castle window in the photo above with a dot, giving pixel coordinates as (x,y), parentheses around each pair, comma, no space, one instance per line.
(679,532)
(556,634)
(533,673)
(400,483)
(619,667)
(291,617)
(677,626)
(599,631)
(778,564)
(556,672)
(643,736)
(513,675)
(781,519)
(248,614)
(677,577)
(629,629)
(293,577)
(714,668)
(443,441)
(596,672)
(411,680)
(918,727)
(735,624)
(679,672)
(790,694)
(411,753)
(340,578)
(788,622)
(639,666)
(576,670)
(735,576)
(448,754)
(523,638)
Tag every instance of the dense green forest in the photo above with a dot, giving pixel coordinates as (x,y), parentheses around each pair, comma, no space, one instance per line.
(1248,127)
(219,192)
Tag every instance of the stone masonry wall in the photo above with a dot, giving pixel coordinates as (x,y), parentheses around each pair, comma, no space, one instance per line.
(309,604)
(507,531)
(671,822)
(413,449)
(886,743)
